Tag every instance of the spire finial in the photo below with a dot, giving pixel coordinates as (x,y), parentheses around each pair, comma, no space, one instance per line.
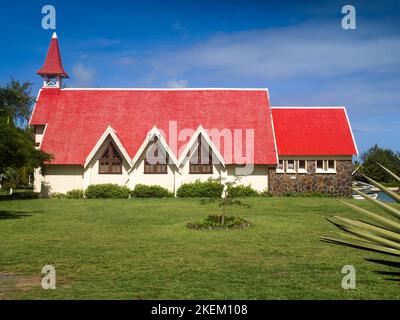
(54,35)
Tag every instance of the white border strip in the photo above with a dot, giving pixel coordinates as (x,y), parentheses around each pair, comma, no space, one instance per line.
(312,107)
(351,131)
(34,107)
(164,89)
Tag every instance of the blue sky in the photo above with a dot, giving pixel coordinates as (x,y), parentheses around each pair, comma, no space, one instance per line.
(296,49)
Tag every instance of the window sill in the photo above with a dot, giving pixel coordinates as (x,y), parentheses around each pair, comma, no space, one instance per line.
(290,171)
(280,171)
(326,171)
(302,171)
(155,173)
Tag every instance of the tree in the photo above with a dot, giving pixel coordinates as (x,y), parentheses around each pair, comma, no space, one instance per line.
(17,148)
(386,157)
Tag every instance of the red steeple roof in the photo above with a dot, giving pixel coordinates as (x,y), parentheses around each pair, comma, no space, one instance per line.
(53,64)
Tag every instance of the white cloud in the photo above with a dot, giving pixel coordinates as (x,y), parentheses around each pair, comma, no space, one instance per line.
(177,83)
(83,76)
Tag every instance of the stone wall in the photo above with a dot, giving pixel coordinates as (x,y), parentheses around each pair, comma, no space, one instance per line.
(335,184)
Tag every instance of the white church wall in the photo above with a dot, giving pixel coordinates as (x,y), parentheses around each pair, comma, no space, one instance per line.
(58,178)
(257,179)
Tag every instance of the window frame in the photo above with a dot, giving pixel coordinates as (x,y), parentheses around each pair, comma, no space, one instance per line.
(289,170)
(325,166)
(156,166)
(110,152)
(201,165)
(302,170)
(280,170)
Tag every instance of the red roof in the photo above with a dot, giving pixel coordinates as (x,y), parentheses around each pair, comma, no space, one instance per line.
(53,64)
(77,118)
(313,131)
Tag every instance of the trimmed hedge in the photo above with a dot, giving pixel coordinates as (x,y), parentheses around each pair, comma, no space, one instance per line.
(75,194)
(210,189)
(107,190)
(242,191)
(144,191)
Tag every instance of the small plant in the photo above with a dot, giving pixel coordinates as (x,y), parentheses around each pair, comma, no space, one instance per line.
(212,188)
(57,195)
(266,193)
(144,191)
(214,222)
(241,191)
(222,221)
(75,194)
(108,190)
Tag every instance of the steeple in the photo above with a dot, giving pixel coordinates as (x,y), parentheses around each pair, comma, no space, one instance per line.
(53,71)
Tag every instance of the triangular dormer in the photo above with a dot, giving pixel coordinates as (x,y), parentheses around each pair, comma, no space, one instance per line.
(52,70)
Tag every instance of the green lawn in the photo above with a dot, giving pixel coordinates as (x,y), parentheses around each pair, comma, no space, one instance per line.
(141,249)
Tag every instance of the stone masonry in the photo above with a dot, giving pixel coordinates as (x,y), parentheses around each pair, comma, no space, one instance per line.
(336,184)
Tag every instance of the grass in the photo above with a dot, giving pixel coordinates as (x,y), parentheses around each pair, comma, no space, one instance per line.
(141,249)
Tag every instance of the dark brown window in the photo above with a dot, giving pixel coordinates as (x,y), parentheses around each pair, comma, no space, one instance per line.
(155,165)
(202,164)
(111,161)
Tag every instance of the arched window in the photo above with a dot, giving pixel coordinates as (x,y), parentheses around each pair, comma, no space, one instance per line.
(111,161)
(201,162)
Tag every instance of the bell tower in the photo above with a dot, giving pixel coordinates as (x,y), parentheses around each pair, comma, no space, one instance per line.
(52,70)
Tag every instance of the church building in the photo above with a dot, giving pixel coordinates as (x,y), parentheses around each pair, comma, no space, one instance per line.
(172,136)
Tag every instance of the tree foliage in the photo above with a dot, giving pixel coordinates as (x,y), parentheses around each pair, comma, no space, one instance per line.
(375,156)
(17,148)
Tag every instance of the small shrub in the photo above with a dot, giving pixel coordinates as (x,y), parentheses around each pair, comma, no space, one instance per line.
(144,191)
(214,222)
(209,189)
(57,195)
(241,191)
(75,194)
(266,193)
(108,190)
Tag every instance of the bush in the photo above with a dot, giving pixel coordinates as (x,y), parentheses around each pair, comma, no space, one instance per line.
(144,191)
(57,195)
(214,222)
(266,193)
(75,194)
(241,191)
(210,189)
(108,190)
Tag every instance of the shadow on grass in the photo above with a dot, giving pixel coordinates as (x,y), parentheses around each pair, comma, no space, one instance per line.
(7,215)
(395,275)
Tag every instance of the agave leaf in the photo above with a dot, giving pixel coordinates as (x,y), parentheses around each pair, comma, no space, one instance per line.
(390,193)
(390,172)
(390,224)
(389,209)
(373,238)
(363,245)
(390,235)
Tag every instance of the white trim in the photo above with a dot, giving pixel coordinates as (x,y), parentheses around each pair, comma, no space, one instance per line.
(273,127)
(150,135)
(108,132)
(192,141)
(351,131)
(164,89)
(44,131)
(308,107)
(34,107)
